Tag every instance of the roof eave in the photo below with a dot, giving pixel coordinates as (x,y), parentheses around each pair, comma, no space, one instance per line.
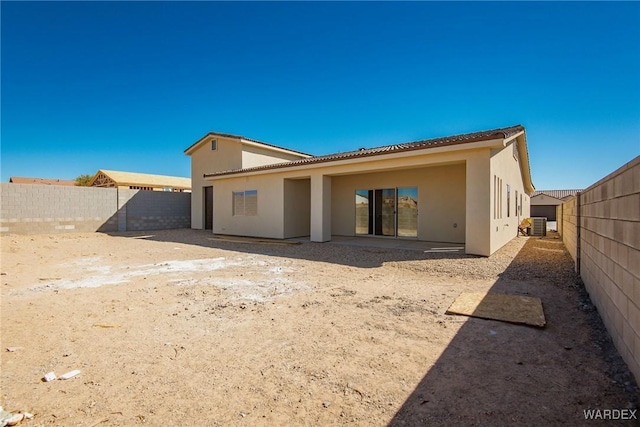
(193,147)
(523,154)
(546,195)
(492,143)
(273,148)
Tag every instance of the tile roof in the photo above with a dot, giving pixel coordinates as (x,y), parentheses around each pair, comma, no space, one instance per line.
(501,133)
(45,181)
(558,194)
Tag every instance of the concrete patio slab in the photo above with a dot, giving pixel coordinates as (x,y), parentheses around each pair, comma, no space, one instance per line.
(393,243)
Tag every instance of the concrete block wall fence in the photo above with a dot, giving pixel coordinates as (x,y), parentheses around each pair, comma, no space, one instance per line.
(153,210)
(569,226)
(36,209)
(601,230)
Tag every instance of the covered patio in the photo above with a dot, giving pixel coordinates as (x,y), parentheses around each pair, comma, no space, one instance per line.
(391,243)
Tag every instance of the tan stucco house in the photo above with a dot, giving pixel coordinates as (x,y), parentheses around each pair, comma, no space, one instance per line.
(471,189)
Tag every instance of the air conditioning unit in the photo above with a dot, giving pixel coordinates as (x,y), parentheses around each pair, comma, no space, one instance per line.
(539,226)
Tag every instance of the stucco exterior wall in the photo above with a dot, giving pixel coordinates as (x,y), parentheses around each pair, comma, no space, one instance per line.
(609,254)
(333,189)
(253,156)
(545,206)
(297,208)
(270,186)
(543,199)
(478,203)
(321,185)
(269,221)
(441,199)
(228,155)
(505,166)
(33,209)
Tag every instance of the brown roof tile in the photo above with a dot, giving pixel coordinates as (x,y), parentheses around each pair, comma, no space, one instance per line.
(558,194)
(396,148)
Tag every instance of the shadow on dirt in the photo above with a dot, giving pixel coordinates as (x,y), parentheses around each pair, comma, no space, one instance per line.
(355,256)
(491,373)
(496,373)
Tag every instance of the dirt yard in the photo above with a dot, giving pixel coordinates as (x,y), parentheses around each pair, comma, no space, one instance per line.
(175,328)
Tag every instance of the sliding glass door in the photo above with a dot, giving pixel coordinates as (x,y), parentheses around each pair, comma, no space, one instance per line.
(408,212)
(389,212)
(385,212)
(364,209)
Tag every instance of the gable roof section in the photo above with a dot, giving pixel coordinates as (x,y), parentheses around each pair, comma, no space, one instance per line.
(143,179)
(45,181)
(543,199)
(196,144)
(502,133)
(558,194)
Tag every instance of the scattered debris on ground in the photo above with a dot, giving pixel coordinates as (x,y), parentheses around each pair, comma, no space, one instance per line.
(266,334)
(13,419)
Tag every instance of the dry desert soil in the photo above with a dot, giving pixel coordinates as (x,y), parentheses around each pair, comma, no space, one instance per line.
(177,328)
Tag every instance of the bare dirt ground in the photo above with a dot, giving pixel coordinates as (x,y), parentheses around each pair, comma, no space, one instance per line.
(174,328)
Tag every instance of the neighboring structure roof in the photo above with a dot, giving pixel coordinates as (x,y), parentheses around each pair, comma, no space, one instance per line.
(193,146)
(558,194)
(45,181)
(488,135)
(143,179)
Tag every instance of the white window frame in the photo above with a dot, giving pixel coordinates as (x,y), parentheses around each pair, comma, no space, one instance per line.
(243,203)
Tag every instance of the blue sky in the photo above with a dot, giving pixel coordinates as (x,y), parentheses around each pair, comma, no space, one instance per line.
(130,85)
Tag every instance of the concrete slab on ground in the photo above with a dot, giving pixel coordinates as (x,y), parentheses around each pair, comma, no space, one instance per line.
(393,243)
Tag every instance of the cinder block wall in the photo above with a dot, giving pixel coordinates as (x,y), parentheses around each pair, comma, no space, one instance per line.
(155,210)
(33,209)
(569,229)
(610,255)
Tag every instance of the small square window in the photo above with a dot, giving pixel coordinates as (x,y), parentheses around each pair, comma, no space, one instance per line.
(214,145)
(245,203)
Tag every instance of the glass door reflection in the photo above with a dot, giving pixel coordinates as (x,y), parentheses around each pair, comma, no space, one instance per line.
(408,212)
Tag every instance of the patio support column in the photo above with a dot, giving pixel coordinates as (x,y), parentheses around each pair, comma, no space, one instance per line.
(478,204)
(320,208)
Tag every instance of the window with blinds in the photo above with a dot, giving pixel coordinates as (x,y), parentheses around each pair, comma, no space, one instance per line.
(245,203)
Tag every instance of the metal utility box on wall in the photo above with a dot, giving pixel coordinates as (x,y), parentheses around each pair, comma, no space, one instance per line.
(539,226)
